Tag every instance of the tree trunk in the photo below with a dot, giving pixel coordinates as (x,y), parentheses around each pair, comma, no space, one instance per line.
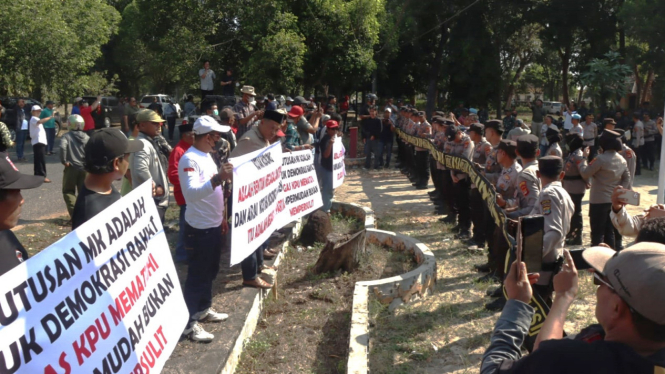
(342,252)
(646,90)
(565,67)
(434,72)
(510,91)
(638,84)
(580,94)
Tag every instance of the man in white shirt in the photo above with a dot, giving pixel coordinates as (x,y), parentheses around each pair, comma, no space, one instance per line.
(207,80)
(38,141)
(205,223)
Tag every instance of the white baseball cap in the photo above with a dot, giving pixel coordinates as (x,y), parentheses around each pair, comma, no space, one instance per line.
(36,107)
(388,110)
(206,124)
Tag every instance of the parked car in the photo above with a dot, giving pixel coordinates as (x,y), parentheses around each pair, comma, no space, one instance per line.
(161,99)
(111,110)
(9,115)
(553,107)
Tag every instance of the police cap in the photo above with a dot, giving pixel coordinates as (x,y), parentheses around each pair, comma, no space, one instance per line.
(550,166)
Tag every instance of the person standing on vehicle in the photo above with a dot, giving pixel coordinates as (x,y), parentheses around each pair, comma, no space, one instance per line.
(207,78)
(49,126)
(21,128)
(171,114)
(227,83)
(72,156)
(38,141)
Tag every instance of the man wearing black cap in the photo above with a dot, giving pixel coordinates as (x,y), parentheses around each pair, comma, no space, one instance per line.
(481,151)
(422,154)
(528,184)
(462,146)
(553,138)
(186,141)
(608,170)
(575,185)
(372,127)
(106,160)
(12,182)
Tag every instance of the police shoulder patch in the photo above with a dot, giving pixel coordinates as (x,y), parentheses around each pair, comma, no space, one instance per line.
(629,153)
(547,206)
(524,188)
(466,144)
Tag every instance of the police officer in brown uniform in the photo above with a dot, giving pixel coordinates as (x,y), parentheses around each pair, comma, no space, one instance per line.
(627,153)
(481,151)
(422,154)
(575,185)
(608,170)
(462,146)
(447,180)
(506,186)
(528,184)
(438,139)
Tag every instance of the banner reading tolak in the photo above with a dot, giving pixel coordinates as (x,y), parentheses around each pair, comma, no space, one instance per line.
(104,299)
(256,199)
(300,188)
(339,169)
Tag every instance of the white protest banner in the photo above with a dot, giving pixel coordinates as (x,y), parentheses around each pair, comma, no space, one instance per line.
(301,193)
(256,199)
(339,169)
(103,299)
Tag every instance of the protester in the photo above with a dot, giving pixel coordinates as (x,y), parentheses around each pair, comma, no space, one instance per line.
(246,112)
(537,117)
(49,126)
(171,114)
(190,107)
(186,140)
(629,308)
(227,83)
(386,137)
(292,137)
(38,141)
(626,224)
(86,112)
(146,162)
(637,137)
(129,118)
(127,179)
(649,149)
(288,104)
(12,253)
(207,80)
(76,107)
(344,111)
(255,138)
(72,156)
(304,126)
(520,129)
(21,128)
(106,160)
(327,158)
(205,224)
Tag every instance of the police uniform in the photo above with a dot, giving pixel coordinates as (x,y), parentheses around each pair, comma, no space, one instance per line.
(556,207)
(422,155)
(553,137)
(575,185)
(608,170)
(481,151)
(590,133)
(628,155)
(447,180)
(438,139)
(462,148)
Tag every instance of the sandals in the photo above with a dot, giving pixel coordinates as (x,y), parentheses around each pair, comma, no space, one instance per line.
(257,283)
(266,267)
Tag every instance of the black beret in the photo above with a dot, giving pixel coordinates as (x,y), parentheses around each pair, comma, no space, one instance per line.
(551,132)
(421,114)
(414,111)
(440,113)
(478,128)
(403,109)
(438,119)
(609,121)
(528,141)
(496,125)
(507,145)
(574,141)
(550,166)
(448,122)
(187,127)
(274,115)
(611,134)
(451,132)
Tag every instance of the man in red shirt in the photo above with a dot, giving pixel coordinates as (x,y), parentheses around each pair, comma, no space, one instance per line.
(186,140)
(86,113)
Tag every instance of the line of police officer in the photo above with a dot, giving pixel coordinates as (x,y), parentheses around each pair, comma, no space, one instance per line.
(518,176)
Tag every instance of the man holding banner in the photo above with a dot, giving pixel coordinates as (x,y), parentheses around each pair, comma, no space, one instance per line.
(205,224)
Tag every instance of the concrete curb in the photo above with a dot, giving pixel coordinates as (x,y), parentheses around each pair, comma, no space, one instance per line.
(231,362)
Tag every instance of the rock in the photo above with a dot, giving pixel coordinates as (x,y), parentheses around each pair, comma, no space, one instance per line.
(316,229)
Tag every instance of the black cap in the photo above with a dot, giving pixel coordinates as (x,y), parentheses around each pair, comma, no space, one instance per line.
(551,132)
(448,122)
(609,121)
(508,145)
(438,119)
(611,134)
(496,125)
(550,166)
(414,111)
(451,131)
(439,113)
(299,100)
(527,142)
(108,144)
(574,141)
(421,114)
(12,179)
(403,109)
(186,127)
(478,128)
(274,115)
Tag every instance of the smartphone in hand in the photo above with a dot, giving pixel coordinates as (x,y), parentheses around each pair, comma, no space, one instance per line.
(531,232)
(630,197)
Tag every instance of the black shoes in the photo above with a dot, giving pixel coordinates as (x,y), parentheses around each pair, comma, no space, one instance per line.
(484,268)
(497,292)
(496,305)
(489,277)
(451,218)
(463,235)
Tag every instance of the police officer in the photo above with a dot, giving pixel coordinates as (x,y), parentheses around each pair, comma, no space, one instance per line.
(577,128)
(528,184)
(491,170)
(505,186)
(590,131)
(627,153)
(462,146)
(422,154)
(650,131)
(399,124)
(608,170)
(481,151)
(12,253)
(553,138)
(447,186)
(439,138)
(575,185)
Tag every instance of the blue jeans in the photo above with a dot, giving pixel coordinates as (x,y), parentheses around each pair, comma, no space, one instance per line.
(21,136)
(250,265)
(327,189)
(50,139)
(375,147)
(387,149)
(204,250)
(180,252)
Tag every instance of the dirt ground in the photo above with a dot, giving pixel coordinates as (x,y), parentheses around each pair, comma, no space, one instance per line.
(449,331)
(306,328)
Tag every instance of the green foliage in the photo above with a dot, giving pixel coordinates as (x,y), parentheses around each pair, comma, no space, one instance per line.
(606,78)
